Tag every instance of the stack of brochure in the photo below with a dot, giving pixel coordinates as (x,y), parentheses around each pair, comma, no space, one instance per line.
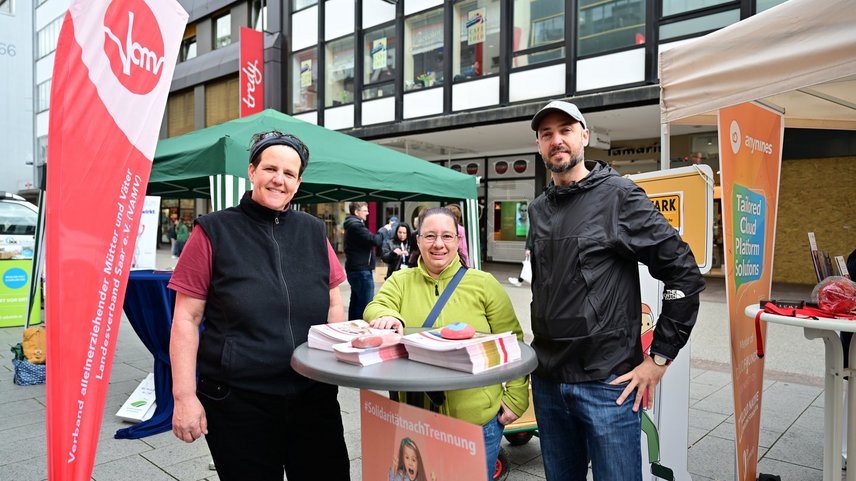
(474,355)
(345,352)
(324,336)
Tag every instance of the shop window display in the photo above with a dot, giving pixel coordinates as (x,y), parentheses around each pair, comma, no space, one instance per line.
(423,46)
(339,72)
(379,69)
(476,45)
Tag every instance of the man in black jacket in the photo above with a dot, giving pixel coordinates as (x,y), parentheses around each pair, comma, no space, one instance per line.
(359,258)
(588,231)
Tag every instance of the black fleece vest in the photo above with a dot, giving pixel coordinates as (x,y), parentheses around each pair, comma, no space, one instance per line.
(270,278)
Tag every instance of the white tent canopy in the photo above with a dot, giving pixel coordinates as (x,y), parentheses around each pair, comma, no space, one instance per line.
(799,56)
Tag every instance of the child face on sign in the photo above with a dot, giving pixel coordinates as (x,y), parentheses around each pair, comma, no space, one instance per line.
(411,463)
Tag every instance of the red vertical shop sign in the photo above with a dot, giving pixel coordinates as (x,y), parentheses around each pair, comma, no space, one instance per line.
(113,67)
(252,71)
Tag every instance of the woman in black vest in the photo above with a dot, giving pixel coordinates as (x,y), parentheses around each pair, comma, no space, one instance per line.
(259,274)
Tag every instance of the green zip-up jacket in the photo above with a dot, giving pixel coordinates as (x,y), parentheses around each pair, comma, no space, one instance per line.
(479,300)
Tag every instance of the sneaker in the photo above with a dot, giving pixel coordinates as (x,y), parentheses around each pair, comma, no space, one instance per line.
(515,281)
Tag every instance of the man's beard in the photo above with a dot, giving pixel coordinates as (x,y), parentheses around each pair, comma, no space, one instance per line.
(564,167)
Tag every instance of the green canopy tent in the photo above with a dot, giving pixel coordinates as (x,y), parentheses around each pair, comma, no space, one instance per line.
(213,162)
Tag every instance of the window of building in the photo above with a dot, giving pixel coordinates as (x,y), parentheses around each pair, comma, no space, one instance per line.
(258,15)
(47,37)
(379,47)
(43,96)
(187,50)
(423,50)
(222,100)
(609,25)
(179,111)
(42,150)
(674,7)
(7,7)
(301,4)
(699,24)
(304,80)
(339,72)
(476,48)
(222,31)
(767,4)
(539,32)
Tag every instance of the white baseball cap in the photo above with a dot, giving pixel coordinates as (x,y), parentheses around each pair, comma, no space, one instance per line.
(558,106)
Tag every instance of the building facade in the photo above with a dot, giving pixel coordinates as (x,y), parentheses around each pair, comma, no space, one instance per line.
(16,95)
(456,82)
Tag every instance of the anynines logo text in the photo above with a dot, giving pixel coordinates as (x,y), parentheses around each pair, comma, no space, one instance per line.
(753,144)
(134,44)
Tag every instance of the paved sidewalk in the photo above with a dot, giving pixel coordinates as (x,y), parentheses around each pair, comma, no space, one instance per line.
(791,444)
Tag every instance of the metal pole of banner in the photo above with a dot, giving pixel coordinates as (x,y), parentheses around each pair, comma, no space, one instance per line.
(472,224)
(38,260)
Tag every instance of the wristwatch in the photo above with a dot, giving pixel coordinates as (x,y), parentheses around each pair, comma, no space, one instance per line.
(660,360)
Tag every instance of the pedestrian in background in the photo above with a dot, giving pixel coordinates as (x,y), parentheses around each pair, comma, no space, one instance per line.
(462,235)
(360,246)
(589,230)
(396,251)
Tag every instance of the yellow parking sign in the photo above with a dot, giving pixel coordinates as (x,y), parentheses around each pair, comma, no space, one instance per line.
(670,206)
(685,198)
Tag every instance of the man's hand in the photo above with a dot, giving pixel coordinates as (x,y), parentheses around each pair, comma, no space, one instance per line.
(388,322)
(643,378)
(188,419)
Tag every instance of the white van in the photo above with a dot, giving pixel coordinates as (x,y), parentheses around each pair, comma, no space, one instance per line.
(18,220)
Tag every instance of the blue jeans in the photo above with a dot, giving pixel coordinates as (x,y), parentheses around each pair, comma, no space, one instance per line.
(492,437)
(580,422)
(362,291)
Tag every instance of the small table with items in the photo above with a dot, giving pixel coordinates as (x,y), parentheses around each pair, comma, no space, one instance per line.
(828,330)
(403,374)
(149,306)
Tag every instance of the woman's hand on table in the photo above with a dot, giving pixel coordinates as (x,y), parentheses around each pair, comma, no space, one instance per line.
(188,419)
(388,322)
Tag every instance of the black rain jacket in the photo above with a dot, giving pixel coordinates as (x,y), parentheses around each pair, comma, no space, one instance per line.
(587,240)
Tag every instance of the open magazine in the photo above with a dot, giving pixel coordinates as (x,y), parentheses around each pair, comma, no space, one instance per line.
(474,355)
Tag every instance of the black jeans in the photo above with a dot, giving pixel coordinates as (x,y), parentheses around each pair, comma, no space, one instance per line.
(258,436)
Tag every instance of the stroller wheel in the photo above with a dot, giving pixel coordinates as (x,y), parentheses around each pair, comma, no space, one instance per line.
(519,438)
(503,467)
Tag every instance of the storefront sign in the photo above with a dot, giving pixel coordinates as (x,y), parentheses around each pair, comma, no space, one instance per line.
(252,71)
(475,26)
(306,73)
(113,66)
(379,54)
(750,142)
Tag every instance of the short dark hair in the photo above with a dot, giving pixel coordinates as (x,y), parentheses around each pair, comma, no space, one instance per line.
(355,206)
(263,140)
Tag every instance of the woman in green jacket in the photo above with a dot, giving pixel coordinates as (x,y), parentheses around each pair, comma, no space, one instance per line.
(408,296)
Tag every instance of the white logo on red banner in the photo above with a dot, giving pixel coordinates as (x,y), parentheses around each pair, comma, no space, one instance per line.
(136,55)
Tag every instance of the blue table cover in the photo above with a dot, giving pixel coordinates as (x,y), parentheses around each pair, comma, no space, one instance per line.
(149,305)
